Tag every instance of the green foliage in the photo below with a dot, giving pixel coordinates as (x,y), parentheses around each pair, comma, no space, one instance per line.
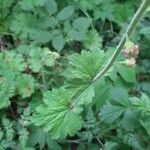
(80,69)
(128,74)
(56,115)
(12,62)
(93,41)
(143,104)
(80,74)
(7,134)
(58,42)
(109,113)
(31,4)
(65,13)
(25,85)
(39,137)
(6,91)
(50,52)
(39,57)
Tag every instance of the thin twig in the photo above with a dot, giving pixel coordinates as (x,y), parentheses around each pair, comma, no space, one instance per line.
(43,78)
(88,16)
(128,32)
(99,141)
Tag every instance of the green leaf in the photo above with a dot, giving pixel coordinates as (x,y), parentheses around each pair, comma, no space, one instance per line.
(109,113)
(38,57)
(146,125)
(143,104)
(25,85)
(120,95)
(133,140)
(51,6)
(102,93)
(80,74)
(56,115)
(23,49)
(8,127)
(120,106)
(58,42)
(38,136)
(105,11)
(39,36)
(27,4)
(65,13)
(129,120)
(35,59)
(79,68)
(7,89)
(88,5)
(46,22)
(77,35)
(109,145)
(122,12)
(39,2)
(31,4)
(23,25)
(49,57)
(81,23)
(85,96)
(145,31)
(93,41)
(128,74)
(10,61)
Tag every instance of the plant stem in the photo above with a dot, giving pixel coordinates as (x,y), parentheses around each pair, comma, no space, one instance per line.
(128,32)
(99,141)
(43,79)
(88,16)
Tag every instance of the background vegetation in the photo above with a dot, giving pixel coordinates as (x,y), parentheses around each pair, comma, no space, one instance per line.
(51,49)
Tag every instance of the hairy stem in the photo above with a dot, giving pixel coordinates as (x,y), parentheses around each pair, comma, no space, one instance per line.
(128,32)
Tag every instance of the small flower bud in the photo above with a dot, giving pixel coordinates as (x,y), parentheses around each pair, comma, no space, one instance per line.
(126,53)
(131,52)
(135,51)
(130,62)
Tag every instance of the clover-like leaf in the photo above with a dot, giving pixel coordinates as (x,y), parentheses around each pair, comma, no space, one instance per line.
(56,115)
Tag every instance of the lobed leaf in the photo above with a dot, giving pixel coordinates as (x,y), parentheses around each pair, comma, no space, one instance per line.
(12,62)
(80,73)
(110,113)
(56,115)
(25,85)
(83,67)
(142,104)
